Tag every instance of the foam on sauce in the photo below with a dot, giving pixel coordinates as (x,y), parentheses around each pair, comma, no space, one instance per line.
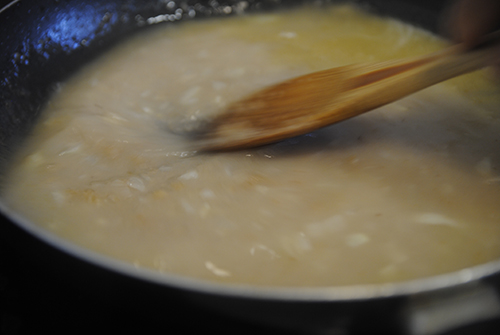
(407,191)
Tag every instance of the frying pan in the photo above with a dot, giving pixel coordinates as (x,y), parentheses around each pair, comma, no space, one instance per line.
(45,41)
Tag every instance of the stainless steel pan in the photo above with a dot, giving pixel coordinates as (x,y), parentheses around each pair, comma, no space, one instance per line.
(44,41)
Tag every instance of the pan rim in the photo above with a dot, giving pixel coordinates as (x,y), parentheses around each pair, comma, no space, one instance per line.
(340,293)
(301,293)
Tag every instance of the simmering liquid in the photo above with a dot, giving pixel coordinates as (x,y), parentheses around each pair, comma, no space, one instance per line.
(409,190)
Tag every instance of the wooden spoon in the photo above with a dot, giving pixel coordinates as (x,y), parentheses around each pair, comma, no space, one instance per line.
(306,103)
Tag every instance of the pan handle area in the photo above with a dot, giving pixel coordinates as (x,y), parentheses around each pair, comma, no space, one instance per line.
(440,312)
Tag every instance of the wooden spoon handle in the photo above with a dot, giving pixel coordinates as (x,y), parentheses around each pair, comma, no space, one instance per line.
(451,63)
(318,99)
(370,86)
(436,67)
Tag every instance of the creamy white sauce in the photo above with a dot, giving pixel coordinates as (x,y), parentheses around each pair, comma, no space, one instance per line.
(409,190)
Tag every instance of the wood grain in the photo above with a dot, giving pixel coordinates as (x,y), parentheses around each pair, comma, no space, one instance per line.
(309,102)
